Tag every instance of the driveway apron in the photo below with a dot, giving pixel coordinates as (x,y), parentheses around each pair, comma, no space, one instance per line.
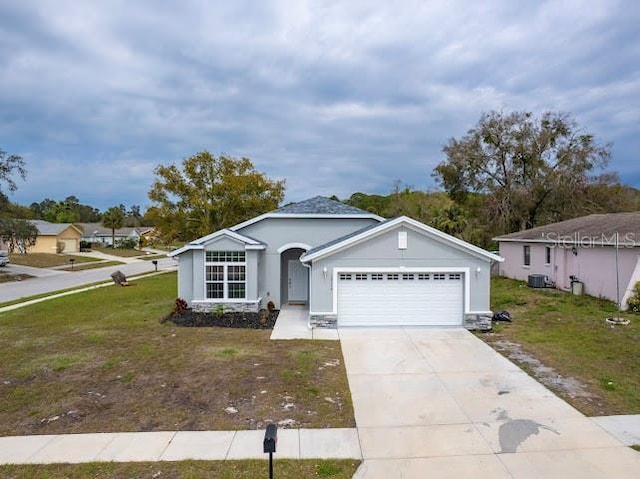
(441,403)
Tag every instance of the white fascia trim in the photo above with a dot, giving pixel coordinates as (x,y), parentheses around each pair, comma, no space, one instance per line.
(560,242)
(287,246)
(255,246)
(225,232)
(401,269)
(186,247)
(303,215)
(393,223)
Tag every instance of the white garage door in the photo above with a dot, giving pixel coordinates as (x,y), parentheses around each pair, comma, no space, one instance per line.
(70,246)
(434,299)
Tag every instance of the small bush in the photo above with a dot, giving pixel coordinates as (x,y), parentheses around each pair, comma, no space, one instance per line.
(180,306)
(219,311)
(271,306)
(85,246)
(59,247)
(633,303)
(127,243)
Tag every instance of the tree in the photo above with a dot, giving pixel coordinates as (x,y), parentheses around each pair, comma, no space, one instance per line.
(134,217)
(528,169)
(18,234)
(207,193)
(11,165)
(113,218)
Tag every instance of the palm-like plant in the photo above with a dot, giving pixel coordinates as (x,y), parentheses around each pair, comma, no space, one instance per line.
(113,218)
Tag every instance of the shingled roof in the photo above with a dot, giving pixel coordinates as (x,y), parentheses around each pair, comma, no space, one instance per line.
(322,206)
(596,227)
(50,229)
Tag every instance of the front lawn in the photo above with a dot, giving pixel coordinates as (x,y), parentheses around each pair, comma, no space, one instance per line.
(283,469)
(124,252)
(102,264)
(101,361)
(47,260)
(569,334)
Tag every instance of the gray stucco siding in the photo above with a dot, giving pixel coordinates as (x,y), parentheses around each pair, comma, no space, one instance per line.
(277,232)
(382,252)
(185,276)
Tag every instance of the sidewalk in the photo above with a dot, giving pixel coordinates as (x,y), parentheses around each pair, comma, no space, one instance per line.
(625,428)
(177,446)
(292,324)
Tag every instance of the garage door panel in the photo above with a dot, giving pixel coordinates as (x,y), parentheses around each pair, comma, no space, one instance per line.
(400,301)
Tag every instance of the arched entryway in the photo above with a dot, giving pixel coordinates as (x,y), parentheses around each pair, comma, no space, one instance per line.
(294,276)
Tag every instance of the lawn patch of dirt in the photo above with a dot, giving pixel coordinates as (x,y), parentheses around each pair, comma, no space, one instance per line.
(563,341)
(11,277)
(101,264)
(249,469)
(101,361)
(247,320)
(46,260)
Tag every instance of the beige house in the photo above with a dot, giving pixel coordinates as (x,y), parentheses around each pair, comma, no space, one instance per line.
(50,234)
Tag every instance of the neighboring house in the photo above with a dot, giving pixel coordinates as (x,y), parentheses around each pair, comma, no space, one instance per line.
(348,266)
(581,248)
(96,233)
(50,234)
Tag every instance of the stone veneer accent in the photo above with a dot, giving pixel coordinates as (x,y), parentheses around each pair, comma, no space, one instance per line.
(207,307)
(472,322)
(329,321)
(481,322)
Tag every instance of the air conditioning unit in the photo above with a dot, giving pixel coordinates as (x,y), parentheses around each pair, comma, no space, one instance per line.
(537,281)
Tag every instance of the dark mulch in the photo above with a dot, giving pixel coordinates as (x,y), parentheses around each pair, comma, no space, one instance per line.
(190,318)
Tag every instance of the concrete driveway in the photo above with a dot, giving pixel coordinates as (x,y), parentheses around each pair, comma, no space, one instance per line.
(441,403)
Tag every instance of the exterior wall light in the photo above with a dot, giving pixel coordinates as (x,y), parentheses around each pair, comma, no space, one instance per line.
(324,272)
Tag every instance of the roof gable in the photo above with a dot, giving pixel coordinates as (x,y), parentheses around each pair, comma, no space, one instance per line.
(200,243)
(359,236)
(46,228)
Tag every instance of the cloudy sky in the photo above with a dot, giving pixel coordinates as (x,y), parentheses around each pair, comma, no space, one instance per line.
(336,97)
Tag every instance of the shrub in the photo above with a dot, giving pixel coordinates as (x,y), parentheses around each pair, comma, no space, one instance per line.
(271,306)
(85,246)
(127,243)
(633,303)
(59,247)
(180,306)
(219,311)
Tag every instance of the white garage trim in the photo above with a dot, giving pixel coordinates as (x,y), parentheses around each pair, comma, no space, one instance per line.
(400,269)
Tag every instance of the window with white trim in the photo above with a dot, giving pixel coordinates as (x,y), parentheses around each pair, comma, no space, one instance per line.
(439,276)
(407,276)
(455,276)
(377,276)
(361,276)
(423,276)
(393,276)
(225,275)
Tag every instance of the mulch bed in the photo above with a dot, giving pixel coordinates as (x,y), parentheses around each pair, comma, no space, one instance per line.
(190,318)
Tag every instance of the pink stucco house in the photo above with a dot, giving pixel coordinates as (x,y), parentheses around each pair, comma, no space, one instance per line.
(583,248)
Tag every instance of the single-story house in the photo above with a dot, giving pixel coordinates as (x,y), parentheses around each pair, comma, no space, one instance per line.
(348,266)
(96,233)
(582,249)
(50,234)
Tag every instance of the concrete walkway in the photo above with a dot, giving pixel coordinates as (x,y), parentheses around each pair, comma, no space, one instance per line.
(292,323)
(441,403)
(177,446)
(624,427)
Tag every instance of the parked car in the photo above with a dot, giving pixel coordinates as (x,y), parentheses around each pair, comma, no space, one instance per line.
(4,258)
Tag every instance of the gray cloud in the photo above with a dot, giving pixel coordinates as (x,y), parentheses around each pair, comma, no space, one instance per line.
(333,96)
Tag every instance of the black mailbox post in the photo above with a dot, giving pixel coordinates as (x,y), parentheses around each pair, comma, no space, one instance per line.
(72,260)
(269,444)
(155,264)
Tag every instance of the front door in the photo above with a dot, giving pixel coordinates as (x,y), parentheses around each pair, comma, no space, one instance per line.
(298,282)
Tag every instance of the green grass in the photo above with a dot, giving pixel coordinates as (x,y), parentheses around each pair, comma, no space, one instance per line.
(105,354)
(47,260)
(569,334)
(124,252)
(249,469)
(103,264)
(636,447)
(151,257)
